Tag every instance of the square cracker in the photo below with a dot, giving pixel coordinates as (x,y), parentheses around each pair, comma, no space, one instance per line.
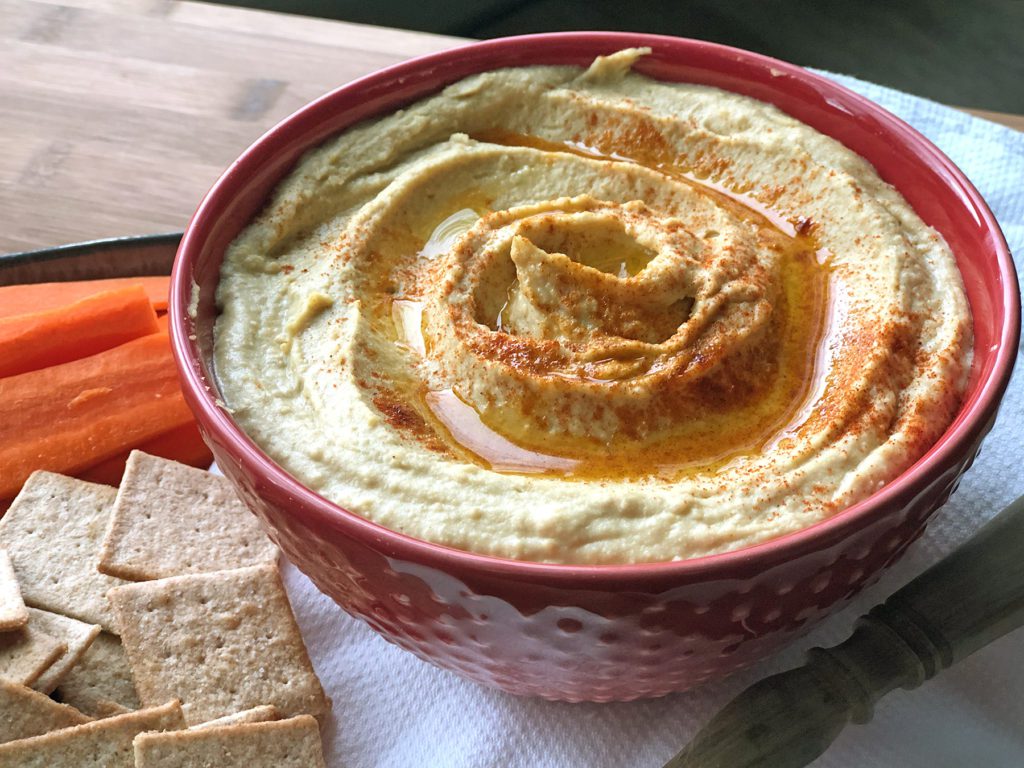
(53,532)
(26,653)
(262,714)
(75,634)
(101,683)
(24,713)
(99,744)
(12,608)
(292,743)
(170,519)
(220,642)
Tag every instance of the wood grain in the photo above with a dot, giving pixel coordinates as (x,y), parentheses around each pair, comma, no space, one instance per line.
(1011,121)
(116,116)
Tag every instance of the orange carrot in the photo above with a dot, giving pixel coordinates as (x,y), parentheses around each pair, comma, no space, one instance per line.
(183,444)
(35,297)
(58,335)
(68,417)
(162,320)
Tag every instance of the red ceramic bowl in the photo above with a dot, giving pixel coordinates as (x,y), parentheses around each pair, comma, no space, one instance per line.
(601,632)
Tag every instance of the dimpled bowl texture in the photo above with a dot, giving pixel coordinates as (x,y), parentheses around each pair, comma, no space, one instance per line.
(600,633)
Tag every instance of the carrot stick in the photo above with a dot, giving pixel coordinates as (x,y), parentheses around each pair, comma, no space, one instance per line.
(35,297)
(183,444)
(58,335)
(163,321)
(68,417)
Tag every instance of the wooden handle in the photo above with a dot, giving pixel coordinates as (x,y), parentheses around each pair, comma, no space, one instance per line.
(970,598)
(947,613)
(959,605)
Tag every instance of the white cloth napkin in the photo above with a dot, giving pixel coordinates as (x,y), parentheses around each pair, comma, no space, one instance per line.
(391,709)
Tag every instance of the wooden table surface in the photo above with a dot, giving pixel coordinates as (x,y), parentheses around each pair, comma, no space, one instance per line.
(116,116)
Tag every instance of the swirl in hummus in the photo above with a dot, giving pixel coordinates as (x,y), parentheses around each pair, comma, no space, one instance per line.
(588,317)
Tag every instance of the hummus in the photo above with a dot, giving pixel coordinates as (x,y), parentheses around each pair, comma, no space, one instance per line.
(587,317)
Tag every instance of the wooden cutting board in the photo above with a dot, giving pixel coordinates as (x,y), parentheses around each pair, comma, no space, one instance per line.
(116,116)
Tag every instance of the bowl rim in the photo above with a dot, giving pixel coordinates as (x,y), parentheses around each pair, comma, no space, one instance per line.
(967,427)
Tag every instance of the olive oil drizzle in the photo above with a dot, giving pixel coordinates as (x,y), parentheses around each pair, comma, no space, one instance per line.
(705,444)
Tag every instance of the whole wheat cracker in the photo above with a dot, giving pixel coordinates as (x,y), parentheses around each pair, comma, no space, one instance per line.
(75,634)
(261,714)
(26,653)
(99,744)
(220,642)
(291,743)
(53,532)
(24,713)
(12,608)
(170,519)
(101,683)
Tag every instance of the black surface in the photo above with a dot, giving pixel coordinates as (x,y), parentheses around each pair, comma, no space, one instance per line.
(94,259)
